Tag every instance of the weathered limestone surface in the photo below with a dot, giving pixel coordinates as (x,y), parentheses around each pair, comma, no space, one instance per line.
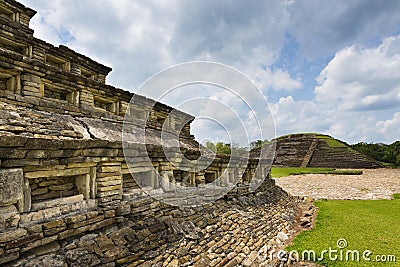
(11,186)
(70,194)
(144,232)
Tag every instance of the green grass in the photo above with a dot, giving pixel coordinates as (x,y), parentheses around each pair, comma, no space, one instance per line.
(301,133)
(389,165)
(331,141)
(277,172)
(364,224)
(396,196)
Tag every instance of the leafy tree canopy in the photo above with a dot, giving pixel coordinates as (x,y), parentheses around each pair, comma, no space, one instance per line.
(381,152)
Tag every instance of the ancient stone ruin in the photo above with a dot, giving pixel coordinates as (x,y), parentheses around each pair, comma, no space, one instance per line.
(68,197)
(318,150)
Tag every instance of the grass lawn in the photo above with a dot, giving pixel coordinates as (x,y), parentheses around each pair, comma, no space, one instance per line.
(365,224)
(389,165)
(277,172)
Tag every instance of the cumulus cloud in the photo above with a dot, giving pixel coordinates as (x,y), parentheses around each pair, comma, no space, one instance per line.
(357,88)
(324,27)
(391,127)
(129,36)
(277,79)
(357,94)
(362,78)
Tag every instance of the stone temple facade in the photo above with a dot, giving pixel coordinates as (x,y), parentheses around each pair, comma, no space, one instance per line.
(68,197)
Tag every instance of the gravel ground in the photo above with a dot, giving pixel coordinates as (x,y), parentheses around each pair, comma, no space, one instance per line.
(372,184)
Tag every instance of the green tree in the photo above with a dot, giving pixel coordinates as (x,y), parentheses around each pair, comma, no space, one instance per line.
(211,146)
(223,148)
(227,149)
(381,152)
(258,143)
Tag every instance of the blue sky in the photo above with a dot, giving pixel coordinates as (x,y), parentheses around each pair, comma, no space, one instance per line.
(324,66)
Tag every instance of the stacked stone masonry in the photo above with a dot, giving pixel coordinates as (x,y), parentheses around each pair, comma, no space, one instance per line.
(68,197)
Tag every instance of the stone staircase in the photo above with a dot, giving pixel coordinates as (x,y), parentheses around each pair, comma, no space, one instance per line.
(291,150)
(310,153)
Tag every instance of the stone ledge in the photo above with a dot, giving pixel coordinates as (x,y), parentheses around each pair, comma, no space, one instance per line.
(56,202)
(55,212)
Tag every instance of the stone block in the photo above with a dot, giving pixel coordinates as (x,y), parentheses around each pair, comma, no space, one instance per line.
(9,218)
(12,235)
(39,191)
(37,143)
(9,257)
(12,153)
(61,187)
(54,223)
(101,224)
(109,169)
(75,218)
(109,193)
(45,153)
(57,202)
(55,230)
(91,214)
(11,163)
(34,229)
(109,183)
(11,181)
(24,240)
(87,222)
(109,188)
(123,210)
(72,232)
(57,173)
(108,178)
(42,247)
(30,78)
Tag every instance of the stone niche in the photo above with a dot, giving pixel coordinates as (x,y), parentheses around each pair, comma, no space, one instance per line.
(11,45)
(9,82)
(57,62)
(106,104)
(129,183)
(133,184)
(51,191)
(147,179)
(52,187)
(184,178)
(210,176)
(54,92)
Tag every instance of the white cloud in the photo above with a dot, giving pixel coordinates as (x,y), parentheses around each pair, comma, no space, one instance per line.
(359,88)
(324,27)
(275,79)
(391,127)
(362,78)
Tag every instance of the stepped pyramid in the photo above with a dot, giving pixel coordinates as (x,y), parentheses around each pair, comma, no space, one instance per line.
(318,150)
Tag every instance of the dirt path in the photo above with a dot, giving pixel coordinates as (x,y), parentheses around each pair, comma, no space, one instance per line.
(372,184)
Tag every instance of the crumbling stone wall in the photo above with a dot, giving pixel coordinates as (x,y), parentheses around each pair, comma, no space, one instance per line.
(69,198)
(147,233)
(104,224)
